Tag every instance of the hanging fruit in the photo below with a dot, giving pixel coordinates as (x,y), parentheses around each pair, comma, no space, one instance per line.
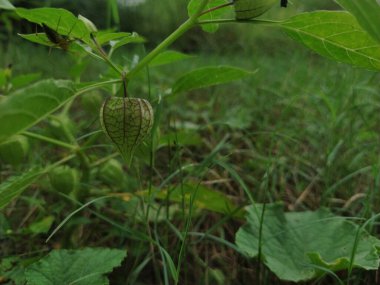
(127,122)
(15,150)
(64,179)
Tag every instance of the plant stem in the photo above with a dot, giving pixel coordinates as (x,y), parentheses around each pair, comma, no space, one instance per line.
(216,8)
(226,21)
(50,140)
(104,159)
(104,55)
(161,47)
(95,86)
(187,25)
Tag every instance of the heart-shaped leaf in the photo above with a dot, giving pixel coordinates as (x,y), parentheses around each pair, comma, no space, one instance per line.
(300,246)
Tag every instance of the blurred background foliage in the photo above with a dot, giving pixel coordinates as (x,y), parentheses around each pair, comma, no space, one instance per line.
(301,124)
(150,18)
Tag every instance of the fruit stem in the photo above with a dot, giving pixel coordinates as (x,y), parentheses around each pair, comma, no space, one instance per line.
(125,82)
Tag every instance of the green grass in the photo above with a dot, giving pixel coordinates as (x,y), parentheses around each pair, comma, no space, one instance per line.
(303,131)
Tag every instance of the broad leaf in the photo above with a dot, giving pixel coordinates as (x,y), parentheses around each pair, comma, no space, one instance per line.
(105,37)
(194,5)
(42,39)
(60,20)
(24,79)
(15,185)
(79,267)
(297,246)
(335,35)
(206,198)
(38,38)
(209,76)
(26,107)
(248,9)
(168,57)
(5,4)
(367,13)
(133,38)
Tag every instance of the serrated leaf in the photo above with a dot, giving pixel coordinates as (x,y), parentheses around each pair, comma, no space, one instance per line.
(79,267)
(367,13)
(15,185)
(193,6)
(335,35)
(296,245)
(59,20)
(6,5)
(249,9)
(26,107)
(208,76)
(168,57)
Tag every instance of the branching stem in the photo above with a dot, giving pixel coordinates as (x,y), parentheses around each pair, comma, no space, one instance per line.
(187,25)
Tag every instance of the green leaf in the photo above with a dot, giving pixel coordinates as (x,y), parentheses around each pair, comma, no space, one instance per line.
(12,268)
(6,5)
(248,9)
(24,79)
(3,78)
(15,185)
(367,13)
(172,268)
(79,267)
(335,35)
(297,246)
(60,20)
(193,6)
(42,226)
(133,38)
(208,76)
(88,23)
(206,198)
(180,137)
(105,37)
(42,39)
(38,38)
(168,57)
(26,107)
